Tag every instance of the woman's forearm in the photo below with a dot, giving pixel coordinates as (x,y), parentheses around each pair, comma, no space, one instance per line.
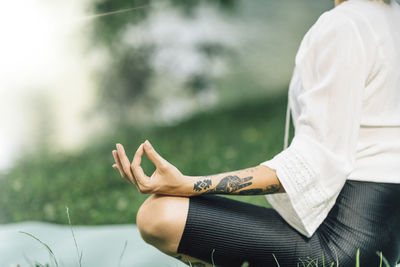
(168,180)
(259,180)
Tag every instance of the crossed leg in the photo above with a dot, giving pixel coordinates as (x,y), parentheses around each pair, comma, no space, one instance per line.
(161,221)
(241,232)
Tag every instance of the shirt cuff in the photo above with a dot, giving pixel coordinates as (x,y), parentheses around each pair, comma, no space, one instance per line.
(304,206)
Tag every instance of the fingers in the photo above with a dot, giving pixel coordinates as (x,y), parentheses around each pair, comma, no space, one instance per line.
(115,166)
(137,170)
(117,161)
(153,155)
(126,165)
(133,172)
(118,166)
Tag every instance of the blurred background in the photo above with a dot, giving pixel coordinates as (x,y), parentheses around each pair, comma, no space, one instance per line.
(205,81)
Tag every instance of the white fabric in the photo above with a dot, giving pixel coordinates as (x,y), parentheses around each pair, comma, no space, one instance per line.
(344,97)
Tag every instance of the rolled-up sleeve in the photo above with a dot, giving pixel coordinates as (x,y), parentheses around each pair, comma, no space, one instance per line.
(331,68)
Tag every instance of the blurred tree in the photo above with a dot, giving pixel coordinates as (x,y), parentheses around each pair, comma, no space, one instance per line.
(198,82)
(128,75)
(108,29)
(124,80)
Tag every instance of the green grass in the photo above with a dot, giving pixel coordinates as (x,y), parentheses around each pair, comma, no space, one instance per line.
(49,250)
(302,263)
(42,184)
(53,256)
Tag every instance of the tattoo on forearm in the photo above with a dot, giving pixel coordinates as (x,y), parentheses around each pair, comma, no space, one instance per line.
(200,185)
(232,184)
(273,188)
(254,191)
(227,185)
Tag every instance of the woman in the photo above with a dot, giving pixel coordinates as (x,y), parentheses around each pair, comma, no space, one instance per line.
(334,190)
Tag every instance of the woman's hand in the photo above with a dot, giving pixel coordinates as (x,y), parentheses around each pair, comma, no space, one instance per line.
(166,179)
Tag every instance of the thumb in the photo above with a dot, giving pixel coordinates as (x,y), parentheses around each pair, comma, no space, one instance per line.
(153,155)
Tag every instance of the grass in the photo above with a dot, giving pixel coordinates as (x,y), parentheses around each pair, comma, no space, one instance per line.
(53,257)
(309,263)
(312,263)
(79,254)
(122,253)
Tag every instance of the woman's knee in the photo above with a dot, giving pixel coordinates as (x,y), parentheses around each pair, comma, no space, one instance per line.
(161,221)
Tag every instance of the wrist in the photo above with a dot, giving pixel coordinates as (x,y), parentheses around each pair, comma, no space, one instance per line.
(197,185)
(189,182)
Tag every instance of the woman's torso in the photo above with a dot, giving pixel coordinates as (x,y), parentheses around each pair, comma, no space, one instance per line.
(378,145)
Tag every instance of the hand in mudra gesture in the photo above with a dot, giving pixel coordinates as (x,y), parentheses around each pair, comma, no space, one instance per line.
(166,179)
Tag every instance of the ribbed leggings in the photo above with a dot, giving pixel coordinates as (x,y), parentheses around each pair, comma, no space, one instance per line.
(366,216)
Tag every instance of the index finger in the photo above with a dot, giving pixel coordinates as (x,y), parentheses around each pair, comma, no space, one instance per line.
(137,170)
(125,162)
(119,166)
(117,161)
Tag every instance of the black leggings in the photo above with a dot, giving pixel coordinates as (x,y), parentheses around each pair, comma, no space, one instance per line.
(366,216)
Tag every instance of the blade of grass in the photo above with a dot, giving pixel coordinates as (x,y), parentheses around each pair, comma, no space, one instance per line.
(358,258)
(122,254)
(380,258)
(44,244)
(212,257)
(385,261)
(275,259)
(337,259)
(312,261)
(37,264)
(302,262)
(73,235)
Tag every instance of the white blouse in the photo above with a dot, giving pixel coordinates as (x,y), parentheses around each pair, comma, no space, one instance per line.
(344,97)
